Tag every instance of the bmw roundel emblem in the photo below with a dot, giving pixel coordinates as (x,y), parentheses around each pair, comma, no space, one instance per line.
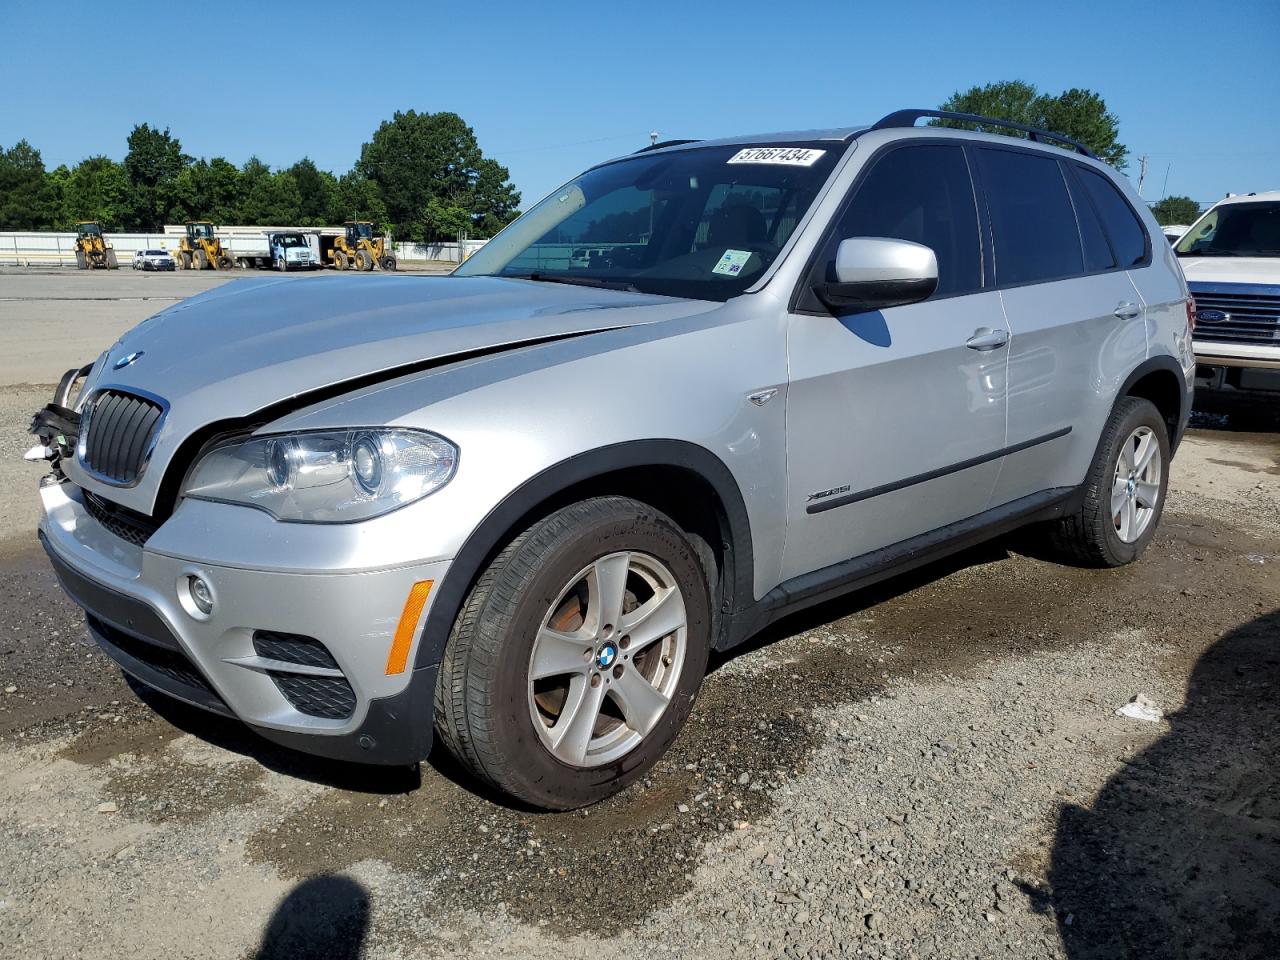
(606,655)
(128,359)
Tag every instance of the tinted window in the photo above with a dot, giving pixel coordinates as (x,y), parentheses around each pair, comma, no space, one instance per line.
(922,194)
(1127,236)
(1097,252)
(1032,222)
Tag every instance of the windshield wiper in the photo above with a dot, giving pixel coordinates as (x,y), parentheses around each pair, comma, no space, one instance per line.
(578,281)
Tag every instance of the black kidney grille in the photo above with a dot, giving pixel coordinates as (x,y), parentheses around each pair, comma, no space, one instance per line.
(118,435)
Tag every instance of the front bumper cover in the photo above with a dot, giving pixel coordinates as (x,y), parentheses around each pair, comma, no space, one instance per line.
(135,616)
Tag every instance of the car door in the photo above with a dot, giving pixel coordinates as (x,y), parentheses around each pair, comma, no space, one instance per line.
(1076,319)
(896,418)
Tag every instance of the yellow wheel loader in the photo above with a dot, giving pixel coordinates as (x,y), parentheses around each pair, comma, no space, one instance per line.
(201,250)
(359,249)
(92,250)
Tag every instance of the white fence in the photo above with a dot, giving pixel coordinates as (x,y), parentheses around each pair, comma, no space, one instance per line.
(39,249)
(59,249)
(452,252)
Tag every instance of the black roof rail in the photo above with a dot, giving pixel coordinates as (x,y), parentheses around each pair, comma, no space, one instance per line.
(664,143)
(908,118)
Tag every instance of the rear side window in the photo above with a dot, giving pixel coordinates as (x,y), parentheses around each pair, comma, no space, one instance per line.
(1033,224)
(1097,251)
(923,194)
(1127,236)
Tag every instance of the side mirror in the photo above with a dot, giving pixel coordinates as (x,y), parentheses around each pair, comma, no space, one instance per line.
(873,273)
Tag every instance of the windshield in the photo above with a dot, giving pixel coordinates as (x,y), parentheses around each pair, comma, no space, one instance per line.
(1234,230)
(703,223)
(155,253)
(363,230)
(203,230)
(90,230)
(290,240)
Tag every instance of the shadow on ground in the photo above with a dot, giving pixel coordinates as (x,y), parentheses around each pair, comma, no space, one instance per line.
(1180,855)
(323,918)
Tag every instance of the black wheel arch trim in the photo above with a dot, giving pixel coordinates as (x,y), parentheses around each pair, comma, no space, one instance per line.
(487,538)
(1167,364)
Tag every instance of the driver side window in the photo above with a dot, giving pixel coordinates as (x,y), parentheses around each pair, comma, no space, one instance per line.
(923,194)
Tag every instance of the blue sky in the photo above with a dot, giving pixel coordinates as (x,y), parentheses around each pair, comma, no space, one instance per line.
(552,87)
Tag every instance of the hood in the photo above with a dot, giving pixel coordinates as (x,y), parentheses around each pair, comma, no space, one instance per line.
(252,343)
(1265,270)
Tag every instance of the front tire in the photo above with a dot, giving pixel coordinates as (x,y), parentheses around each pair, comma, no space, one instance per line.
(1124,491)
(578,654)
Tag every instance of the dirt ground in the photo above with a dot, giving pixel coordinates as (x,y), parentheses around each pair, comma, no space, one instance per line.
(931,768)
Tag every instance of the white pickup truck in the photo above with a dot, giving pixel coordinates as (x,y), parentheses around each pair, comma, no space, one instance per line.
(1231,257)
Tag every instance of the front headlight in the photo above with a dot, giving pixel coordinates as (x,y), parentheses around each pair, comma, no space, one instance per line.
(332,476)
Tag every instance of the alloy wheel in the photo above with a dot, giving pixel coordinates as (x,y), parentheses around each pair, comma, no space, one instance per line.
(1135,489)
(607,659)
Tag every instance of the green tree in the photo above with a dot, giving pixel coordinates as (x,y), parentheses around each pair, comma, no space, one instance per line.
(55,189)
(24,193)
(355,197)
(207,190)
(153,164)
(315,192)
(1078,113)
(97,189)
(1176,210)
(266,198)
(416,158)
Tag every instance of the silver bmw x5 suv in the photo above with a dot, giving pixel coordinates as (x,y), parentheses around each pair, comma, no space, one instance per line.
(694,389)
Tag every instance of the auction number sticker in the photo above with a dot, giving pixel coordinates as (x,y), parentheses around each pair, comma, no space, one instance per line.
(784,156)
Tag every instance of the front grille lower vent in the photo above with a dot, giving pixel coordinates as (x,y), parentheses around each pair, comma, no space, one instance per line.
(292,648)
(329,697)
(117,433)
(171,664)
(129,525)
(322,691)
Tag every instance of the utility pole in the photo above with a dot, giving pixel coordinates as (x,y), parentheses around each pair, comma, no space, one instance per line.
(1142,172)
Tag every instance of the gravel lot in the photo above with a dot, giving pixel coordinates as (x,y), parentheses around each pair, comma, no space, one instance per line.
(933,768)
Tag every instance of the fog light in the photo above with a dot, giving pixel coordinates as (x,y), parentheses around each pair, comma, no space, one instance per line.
(201,595)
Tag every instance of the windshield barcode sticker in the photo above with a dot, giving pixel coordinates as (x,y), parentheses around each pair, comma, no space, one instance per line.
(787,156)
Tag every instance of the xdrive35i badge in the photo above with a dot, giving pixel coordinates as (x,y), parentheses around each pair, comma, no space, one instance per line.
(823,494)
(128,359)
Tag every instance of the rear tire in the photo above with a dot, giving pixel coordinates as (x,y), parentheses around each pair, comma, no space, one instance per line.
(539,595)
(1122,501)
(112,262)
(340,260)
(82,262)
(364,260)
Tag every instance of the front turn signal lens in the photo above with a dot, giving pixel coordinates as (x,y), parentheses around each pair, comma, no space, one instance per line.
(398,657)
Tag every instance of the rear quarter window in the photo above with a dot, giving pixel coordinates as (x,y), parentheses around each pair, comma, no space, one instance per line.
(1128,238)
(1098,256)
(1033,224)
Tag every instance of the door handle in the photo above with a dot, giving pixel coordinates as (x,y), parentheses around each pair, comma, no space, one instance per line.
(1127,311)
(984,338)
